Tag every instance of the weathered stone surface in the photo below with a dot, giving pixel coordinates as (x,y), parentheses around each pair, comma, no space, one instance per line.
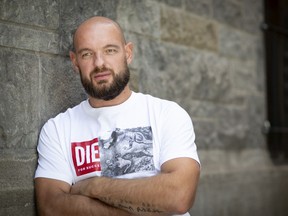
(158,68)
(206,134)
(252,188)
(17,172)
(19,107)
(228,12)
(172,3)
(134,80)
(214,81)
(256,115)
(17,202)
(171,25)
(43,13)
(203,8)
(252,15)
(130,17)
(12,168)
(74,13)
(27,38)
(185,29)
(206,55)
(201,75)
(244,77)
(60,86)
(237,44)
(224,131)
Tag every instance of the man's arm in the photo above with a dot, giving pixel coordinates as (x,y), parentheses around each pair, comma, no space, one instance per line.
(171,192)
(54,198)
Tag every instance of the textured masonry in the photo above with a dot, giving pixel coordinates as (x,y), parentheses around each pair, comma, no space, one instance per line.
(207,55)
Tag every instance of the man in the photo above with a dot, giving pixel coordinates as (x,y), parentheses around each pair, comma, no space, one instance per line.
(119,152)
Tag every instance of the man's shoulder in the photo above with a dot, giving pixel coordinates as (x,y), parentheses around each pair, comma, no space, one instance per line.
(66,115)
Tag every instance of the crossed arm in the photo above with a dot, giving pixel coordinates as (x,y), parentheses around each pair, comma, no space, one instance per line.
(170,192)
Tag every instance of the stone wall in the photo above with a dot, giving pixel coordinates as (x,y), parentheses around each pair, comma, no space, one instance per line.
(207,55)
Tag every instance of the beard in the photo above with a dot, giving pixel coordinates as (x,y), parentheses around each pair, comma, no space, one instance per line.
(103,90)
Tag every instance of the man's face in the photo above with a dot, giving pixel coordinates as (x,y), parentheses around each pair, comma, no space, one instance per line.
(101,59)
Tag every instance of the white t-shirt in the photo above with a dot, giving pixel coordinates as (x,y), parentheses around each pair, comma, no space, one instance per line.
(129,140)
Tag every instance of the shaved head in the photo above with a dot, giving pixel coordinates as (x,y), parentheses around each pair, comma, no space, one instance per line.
(95,22)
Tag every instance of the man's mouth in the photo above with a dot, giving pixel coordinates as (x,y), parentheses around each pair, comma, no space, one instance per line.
(101,75)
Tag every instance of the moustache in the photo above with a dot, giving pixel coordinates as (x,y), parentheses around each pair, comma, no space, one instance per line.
(101,69)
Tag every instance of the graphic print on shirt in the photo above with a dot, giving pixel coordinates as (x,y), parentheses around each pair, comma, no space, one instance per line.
(127,151)
(85,155)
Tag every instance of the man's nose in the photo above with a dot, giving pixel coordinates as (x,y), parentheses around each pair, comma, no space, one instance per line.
(98,60)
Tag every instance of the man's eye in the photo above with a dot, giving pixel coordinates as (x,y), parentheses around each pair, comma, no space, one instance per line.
(86,55)
(110,51)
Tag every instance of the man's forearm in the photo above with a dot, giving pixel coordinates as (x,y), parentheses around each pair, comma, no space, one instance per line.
(170,192)
(75,205)
(136,200)
(80,205)
(146,196)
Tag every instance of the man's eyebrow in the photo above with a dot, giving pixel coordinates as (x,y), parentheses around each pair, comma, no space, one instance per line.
(112,46)
(105,47)
(82,50)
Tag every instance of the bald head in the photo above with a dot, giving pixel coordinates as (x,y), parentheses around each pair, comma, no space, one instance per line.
(97,24)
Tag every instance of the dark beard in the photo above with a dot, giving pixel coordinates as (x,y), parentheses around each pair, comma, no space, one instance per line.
(105,92)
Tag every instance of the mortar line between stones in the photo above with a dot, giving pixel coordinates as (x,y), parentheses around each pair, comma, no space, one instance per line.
(24,25)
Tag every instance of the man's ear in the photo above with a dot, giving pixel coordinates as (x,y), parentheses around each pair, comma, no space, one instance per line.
(74,61)
(129,52)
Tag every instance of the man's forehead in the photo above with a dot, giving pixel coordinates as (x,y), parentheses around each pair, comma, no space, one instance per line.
(99,27)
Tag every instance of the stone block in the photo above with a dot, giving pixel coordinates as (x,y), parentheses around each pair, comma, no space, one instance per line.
(214,82)
(172,3)
(131,17)
(60,86)
(202,8)
(171,25)
(181,74)
(256,111)
(222,126)
(253,16)
(17,172)
(259,192)
(226,126)
(16,165)
(74,13)
(185,29)
(206,134)
(199,33)
(232,128)
(244,76)
(43,13)
(228,12)
(17,202)
(28,38)
(237,44)
(19,107)
(260,66)
(159,69)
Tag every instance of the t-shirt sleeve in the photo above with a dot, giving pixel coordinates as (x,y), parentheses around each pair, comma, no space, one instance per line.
(52,162)
(177,134)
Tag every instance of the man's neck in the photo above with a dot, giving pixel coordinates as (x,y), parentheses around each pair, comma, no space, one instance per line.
(122,97)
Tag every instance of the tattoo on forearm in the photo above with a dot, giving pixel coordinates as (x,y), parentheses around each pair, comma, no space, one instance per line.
(128,206)
(148,208)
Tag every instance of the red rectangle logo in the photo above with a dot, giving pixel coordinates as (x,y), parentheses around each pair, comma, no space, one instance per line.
(86,156)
